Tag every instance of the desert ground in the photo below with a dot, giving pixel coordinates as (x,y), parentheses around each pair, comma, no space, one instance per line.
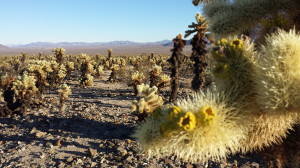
(93,50)
(94,130)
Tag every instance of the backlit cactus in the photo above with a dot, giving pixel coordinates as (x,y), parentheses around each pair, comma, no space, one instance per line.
(64,93)
(199,129)
(114,68)
(87,69)
(136,79)
(199,51)
(59,54)
(154,75)
(149,101)
(99,71)
(25,94)
(278,82)
(164,81)
(255,92)
(176,62)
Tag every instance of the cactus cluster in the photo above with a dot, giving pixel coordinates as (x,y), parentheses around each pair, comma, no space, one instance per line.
(149,101)
(157,78)
(253,103)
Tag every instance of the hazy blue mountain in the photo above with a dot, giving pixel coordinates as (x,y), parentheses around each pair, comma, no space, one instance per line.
(3,47)
(111,43)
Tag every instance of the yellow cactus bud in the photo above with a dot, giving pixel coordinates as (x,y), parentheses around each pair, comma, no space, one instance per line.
(236,43)
(187,122)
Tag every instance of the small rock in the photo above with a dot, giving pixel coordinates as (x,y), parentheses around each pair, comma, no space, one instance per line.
(58,143)
(33,130)
(42,156)
(103,165)
(102,160)
(10,150)
(70,159)
(2,160)
(49,145)
(129,158)
(118,158)
(92,152)
(189,166)
(52,151)
(40,134)
(79,161)
(1,142)
(93,164)
(62,164)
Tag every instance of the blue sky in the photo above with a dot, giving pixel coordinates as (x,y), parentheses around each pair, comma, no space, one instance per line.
(25,21)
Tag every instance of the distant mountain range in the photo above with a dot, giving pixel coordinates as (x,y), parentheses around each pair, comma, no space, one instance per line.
(74,44)
(3,47)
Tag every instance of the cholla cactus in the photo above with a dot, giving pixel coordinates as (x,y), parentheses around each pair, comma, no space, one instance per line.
(276,90)
(99,71)
(176,61)
(148,103)
(70,66)
(154,75)
(86,80)
(136,62)
(114,68)
(24,85)
(59,73)
(278,82)
(25,93)
(233,67)
(199,51)
(87,69)
(64,93)
(197,129)
(251,87)
(137,79)
(109,53)
(229,18)
(164,81)
(42,70)
(59,54)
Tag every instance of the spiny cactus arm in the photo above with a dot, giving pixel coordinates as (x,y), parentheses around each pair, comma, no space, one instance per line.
(189,32)
(200,26)
(234,18)
(155,104)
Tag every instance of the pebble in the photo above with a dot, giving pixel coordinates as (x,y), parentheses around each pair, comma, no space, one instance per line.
(40,134)
(103,165)
(70,159)
(10,150)
(93,164)
(92,152)
(58,143)
(79,161)
(49,145)
(189,166)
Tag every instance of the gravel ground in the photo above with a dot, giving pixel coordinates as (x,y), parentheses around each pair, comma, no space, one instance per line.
(93,131)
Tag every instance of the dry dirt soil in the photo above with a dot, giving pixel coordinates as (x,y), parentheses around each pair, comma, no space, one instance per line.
(94,131)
